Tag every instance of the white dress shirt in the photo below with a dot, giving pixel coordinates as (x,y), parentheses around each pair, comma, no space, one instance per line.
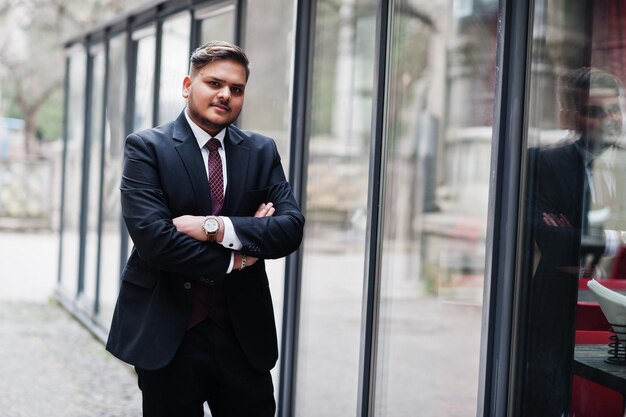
(231,240)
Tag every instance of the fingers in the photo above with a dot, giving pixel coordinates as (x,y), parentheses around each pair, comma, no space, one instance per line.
(555,220)
(265,210)
(250,260)
(548,218)
(564,221)
(179,222)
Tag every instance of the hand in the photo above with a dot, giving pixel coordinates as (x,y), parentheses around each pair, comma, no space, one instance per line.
(250,260)
(265,210)
(191,226)
(554,220)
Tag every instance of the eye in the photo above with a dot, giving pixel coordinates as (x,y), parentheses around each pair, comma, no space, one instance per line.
(237,90)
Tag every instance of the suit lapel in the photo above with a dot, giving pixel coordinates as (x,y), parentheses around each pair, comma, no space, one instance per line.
(189,152)
(237,168)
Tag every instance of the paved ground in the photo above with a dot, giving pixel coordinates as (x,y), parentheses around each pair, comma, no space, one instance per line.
(51,365)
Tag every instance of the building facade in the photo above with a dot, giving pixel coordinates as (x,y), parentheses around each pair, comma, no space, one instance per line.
(413,134)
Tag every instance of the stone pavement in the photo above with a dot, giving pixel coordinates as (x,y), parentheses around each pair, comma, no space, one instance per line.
(53,367)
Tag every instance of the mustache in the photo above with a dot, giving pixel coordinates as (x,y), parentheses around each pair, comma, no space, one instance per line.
(222,104)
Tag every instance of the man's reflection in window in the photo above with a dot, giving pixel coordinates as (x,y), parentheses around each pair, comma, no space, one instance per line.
(578,213)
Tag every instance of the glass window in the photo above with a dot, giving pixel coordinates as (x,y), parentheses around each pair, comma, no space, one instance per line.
(268,110)
(336,209)
(73,170)
(575,206)
(217,22)
(93,176)
(145,47)
(439,129)
(110,252)
(174,65)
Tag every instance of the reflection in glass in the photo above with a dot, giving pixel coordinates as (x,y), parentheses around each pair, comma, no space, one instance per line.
(174,66)
(93,189)
(73,168)
(336,209)
(266,110)
(436,191)
(575,200)
(111,206)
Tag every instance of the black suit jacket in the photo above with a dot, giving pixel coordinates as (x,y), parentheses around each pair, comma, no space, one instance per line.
(556,185)
(164,177)
(560,176)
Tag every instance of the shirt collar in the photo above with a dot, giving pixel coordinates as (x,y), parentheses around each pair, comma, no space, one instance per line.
(202,137)
(607,156)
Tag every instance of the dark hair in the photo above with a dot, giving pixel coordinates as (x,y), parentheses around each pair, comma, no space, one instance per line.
(217,51)
(575,84)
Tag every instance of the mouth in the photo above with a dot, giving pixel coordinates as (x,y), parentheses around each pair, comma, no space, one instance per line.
(222,107)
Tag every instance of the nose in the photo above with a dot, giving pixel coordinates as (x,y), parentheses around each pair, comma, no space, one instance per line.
(224,93)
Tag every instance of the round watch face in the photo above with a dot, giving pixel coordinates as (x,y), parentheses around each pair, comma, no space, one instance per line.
(211,225)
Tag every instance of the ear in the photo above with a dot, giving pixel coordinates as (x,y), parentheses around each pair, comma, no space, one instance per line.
(186,86)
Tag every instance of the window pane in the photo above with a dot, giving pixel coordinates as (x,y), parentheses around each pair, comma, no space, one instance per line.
(111,240)
(268,110)
(73,170)
(174,66)
(334,245)
(576,206)
(439,128)
(145,43)
(218,22)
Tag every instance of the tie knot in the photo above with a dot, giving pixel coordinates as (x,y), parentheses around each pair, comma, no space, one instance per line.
(213,144)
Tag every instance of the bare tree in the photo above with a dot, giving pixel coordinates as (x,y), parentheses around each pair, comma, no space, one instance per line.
(31,50)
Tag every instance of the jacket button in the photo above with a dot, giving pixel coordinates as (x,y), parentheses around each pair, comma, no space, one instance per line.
(187,285)
(211,282)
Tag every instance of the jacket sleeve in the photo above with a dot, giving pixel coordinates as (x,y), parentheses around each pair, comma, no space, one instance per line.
(149,219)
(279,235)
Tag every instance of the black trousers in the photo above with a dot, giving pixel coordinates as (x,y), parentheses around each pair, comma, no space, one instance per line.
(209,366)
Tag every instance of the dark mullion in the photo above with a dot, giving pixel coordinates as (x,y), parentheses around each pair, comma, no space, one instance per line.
(66,89)
(157,71)
(371,291)
(498,373)
(105,99)
(84,193)
(240,23)
(131,78)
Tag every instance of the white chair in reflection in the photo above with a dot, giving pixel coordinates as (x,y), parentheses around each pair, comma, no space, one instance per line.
(613,305)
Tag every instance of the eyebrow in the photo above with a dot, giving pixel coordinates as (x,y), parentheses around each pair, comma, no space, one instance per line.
(212,78)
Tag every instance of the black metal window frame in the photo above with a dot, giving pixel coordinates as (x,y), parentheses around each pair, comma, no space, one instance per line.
(502,308)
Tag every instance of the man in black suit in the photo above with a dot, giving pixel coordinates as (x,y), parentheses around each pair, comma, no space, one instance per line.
(204,203)
(575,223)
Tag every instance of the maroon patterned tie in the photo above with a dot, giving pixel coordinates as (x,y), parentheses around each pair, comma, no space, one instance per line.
(216,175)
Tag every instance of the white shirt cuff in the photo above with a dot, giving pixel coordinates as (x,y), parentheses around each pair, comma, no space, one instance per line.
(611,242)
(231,264)
(231,240)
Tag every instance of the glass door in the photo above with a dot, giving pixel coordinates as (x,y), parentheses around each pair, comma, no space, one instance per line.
(575,205)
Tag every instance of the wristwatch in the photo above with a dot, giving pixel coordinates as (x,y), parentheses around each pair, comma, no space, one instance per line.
(211,226)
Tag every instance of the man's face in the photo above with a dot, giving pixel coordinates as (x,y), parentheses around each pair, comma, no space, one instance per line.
(600,119)
(215,94)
